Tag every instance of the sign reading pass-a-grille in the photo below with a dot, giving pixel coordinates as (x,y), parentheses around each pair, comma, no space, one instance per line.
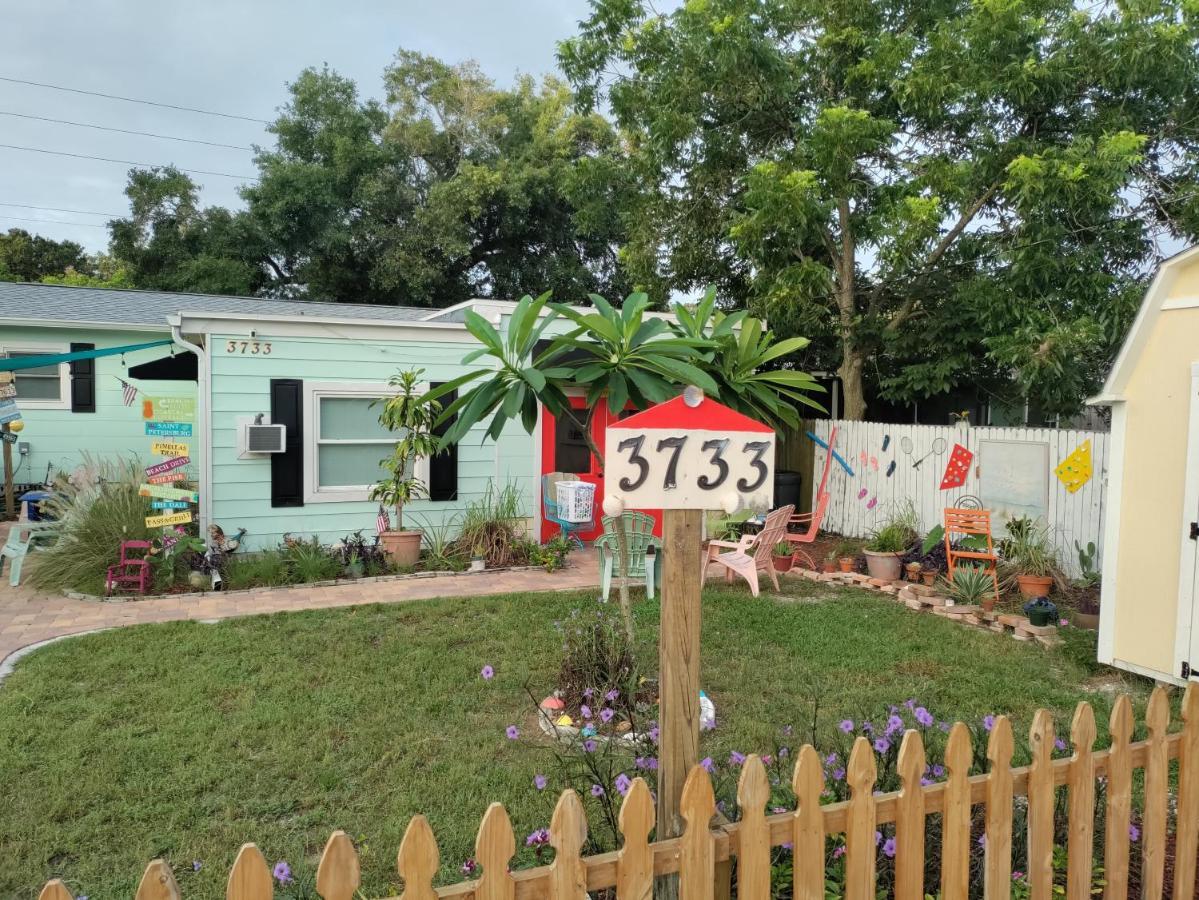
(679,456)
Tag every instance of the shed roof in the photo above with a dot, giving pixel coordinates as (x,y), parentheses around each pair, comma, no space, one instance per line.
(53,304)
(1142,325)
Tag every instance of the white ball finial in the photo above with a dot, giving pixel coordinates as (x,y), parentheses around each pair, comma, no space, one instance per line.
(693,396)
(730,502)
(613,506)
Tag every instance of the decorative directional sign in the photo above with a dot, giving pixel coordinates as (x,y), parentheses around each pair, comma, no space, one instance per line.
(169,409)
(9,437)
(168,429)
(170,448)
(9,411)
(7,391)
(167,465)
(181,518)
(169,504)
(168,493)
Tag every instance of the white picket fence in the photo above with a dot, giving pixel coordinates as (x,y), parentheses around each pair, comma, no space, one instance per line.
(1012,472)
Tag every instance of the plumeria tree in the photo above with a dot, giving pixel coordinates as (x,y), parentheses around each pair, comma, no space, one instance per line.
(620,357)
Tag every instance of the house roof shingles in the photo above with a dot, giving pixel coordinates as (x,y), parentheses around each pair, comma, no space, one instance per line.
(54,304)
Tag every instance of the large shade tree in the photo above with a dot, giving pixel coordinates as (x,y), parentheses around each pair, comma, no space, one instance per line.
(938,192)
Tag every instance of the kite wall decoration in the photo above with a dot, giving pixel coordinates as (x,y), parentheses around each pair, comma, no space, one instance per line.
(958,468)
(1075,470)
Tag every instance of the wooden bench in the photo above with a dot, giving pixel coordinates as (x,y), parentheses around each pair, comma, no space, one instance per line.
(23,537)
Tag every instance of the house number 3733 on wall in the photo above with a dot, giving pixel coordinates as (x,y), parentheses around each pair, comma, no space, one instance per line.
(673,456)
(251,348)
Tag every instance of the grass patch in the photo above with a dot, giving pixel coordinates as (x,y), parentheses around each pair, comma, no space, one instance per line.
(183,740)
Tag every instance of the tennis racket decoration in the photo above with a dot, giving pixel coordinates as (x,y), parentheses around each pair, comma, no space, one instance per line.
(905,444)
(936,449)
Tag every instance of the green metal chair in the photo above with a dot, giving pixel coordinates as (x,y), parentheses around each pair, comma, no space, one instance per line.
(639,537)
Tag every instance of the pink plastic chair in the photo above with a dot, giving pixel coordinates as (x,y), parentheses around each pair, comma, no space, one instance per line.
(130,572)
(753,552)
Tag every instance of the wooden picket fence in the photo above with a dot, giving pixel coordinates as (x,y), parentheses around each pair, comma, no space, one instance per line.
(701,854)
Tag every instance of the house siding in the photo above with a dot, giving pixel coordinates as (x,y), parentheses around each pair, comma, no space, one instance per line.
(60,439)
(240,389)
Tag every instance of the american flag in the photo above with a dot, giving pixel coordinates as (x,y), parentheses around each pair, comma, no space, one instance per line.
(128,392)
(382,521)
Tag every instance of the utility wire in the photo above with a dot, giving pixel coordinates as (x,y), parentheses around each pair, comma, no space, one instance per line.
(53,222)
(80,212)
(165,137)
(192,109)
(127,162)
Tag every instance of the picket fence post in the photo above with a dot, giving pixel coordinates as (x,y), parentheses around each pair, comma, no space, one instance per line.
(249,879)
(158,883)
(1119,801)
(1157,770)
(697,847)
(808,835)
(909,820)
(860,847)
(635,863)
(1186,838)
(955,820)
(494,848)
(753,834)
(418,860)
(998,850)
(1041,794)
(338,875)
(55,890)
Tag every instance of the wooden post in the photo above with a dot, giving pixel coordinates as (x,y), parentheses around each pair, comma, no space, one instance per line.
(10,500)
(678,662)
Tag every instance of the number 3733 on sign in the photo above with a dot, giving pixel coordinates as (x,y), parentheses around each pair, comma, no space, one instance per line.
(689,453)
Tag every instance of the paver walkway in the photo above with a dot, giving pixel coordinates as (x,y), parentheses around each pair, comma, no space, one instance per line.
(29,617)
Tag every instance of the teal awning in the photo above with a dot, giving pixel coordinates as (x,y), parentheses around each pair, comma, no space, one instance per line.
(54,359)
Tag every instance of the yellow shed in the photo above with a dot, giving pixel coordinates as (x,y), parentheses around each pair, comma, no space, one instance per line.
(1148,616)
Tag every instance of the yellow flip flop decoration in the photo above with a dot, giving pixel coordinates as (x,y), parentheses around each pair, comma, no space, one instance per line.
(1075,470)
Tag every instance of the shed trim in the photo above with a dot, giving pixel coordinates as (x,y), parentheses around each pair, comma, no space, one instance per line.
(1190,548)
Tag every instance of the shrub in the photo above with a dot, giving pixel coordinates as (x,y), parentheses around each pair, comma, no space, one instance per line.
(551,555)
(597,654)
(1029,550)
(252,570)
(308,561)
(898,533)
(492,527)
(97,514)
(970,586)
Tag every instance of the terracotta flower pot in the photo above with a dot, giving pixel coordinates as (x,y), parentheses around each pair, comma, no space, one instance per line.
(828,566)
(988,604)
(1034,585)
(885,566)
(847,563)
(928,576)
(401,547)
(783,563)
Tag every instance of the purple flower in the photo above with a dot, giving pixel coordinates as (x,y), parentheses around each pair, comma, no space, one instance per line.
(612,695)
(882,745)
(889,848)
(623,783)
(944,726)
(469,867)
(513,732)
(1059,744)
(982,840)
(938,771)
(736,758)
(540,781)
(597,790)
(197,865)
(868,727)
(894,724)
(1017,875)
(282,872)
(589,746)
(786,731)
(988,721)
(846,725)
(923,716)
(606,715)
(488,673)
(839,852)
(779,809)
(587,692)
(925,781)
(910,703)
(1134,833)
(784,752)
(538,838)
(707,765)
(838,774)
(585,711)
(767,759)
(1062,623)
(878,838)
(831,759)
(654,734)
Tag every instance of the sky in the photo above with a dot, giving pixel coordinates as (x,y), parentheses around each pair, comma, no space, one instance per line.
(219,55)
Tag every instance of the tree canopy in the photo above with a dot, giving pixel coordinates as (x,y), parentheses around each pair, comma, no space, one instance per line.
(938,192)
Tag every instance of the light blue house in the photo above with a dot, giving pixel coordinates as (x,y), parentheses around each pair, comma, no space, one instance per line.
(315,368)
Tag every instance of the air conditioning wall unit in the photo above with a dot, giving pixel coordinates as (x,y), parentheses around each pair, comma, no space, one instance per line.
(255,439)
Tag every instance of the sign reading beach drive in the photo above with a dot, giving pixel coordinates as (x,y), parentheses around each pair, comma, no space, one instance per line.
(167,465)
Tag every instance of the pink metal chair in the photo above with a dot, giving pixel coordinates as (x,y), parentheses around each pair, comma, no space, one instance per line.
(752,553)
(130,572)
(813,519)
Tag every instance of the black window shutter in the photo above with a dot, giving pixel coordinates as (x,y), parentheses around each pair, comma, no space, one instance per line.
(287,468)
(83,381)
(443,468)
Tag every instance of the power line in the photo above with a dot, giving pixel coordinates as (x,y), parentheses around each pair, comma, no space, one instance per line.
(53,222)
(165,137)
(80,212)
(192,109)
(127,162)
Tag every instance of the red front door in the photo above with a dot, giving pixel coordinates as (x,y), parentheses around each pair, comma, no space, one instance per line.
(564,450)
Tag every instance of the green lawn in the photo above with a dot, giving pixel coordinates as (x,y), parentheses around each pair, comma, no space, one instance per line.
(184,740)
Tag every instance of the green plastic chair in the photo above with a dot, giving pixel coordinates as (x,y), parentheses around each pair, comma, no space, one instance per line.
(639,537)
(22,538)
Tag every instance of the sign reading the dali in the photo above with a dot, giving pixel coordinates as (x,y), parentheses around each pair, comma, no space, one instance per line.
(689,453)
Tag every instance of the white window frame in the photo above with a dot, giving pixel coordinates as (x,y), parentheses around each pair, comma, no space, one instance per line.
(314,392)
(64,374)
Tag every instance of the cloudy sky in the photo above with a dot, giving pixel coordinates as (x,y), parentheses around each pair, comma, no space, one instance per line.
(219,55)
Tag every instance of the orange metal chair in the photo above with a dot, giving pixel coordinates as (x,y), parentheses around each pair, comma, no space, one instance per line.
(968,523)
(813,519)
(753,552)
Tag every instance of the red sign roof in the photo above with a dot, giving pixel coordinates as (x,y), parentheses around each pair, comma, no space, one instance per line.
(708,415)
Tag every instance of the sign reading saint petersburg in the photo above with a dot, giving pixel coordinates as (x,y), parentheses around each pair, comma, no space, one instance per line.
(168,429)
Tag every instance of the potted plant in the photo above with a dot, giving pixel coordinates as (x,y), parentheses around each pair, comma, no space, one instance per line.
(971,586)
(1029,553)
(829,563)
(890,542)
(406,411)
(847,555)
(784,556)
(913,569)
(1041,611)
(1085,589)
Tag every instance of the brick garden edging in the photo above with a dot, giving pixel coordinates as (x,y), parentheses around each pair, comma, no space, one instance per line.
(923,598)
